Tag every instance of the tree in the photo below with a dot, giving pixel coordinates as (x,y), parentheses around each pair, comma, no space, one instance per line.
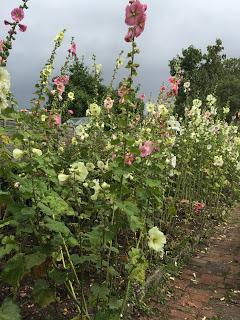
(203,70)
(86,86)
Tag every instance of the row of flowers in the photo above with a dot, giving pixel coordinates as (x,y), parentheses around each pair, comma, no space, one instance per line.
(103,206)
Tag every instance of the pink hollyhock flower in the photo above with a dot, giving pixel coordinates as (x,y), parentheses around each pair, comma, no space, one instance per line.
(134,12)
(60,88)
(147,149)
(73,49)
(17,14)
(139,28)
(130,35)
(108,103)
(71,112)
(22,27)
(1,45)
(58,120)
(142,96)
(175,84)
(162,88)
(198,206)
(129,159)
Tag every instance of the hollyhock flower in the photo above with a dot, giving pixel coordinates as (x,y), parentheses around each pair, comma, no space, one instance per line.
(1,45)
(22,27)
(71,112)
(157,240)
(73,49)
(139,28)
(60,88)
(79,171)
(17,154)
(71,96)
(108,103)
(142,96)
(129,159)
(134,11)
(37,152)
(175,84)
(58,119)
(162,88)
(17,14)
(147,149)
(62,178)
(198,206)
(130,35)
(94,110)
(218,161)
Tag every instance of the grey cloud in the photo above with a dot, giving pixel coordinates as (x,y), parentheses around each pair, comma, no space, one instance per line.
(98,27)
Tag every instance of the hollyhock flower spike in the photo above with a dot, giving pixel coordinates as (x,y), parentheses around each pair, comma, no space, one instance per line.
(73,49)
(17,14)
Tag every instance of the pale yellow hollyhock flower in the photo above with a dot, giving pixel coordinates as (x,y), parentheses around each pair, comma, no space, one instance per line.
(94,110)
(37,152)
(157,240)
(71,96)
(17,154)
(79,171)
(62,178)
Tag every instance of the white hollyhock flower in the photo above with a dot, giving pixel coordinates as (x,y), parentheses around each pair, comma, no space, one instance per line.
(17,154)
(157,240)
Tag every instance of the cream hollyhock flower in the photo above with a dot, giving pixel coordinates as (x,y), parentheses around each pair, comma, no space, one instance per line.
(98,68)
(62,178)
(94,110)
(218,161)
(226,110)
(37,152)
(79,171)
(17,154)
(150,107)
(197,103)
(43,117)
(71,96)
(90,166)
(4,80)
(163,111)
(157,240)
(96,188)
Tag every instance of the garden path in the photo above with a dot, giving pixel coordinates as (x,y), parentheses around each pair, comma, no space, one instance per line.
(209,286)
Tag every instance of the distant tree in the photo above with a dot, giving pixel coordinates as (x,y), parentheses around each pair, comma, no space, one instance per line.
(228,90)
(204,71)
(86,86)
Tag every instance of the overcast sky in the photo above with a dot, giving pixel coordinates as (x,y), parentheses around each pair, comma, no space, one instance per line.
(98,27)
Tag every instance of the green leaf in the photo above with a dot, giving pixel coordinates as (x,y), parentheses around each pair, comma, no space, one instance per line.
(34,259)
(115,304)
(14,270)
(152,183)
(56,226)
(42,294)
(9,310)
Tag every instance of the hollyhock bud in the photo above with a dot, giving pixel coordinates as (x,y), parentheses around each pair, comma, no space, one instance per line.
(22,27)
(17,14)
(130,35)
(7,23)
(1,45)
(71,112)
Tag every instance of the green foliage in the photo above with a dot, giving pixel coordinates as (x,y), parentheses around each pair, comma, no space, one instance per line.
(9,310)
